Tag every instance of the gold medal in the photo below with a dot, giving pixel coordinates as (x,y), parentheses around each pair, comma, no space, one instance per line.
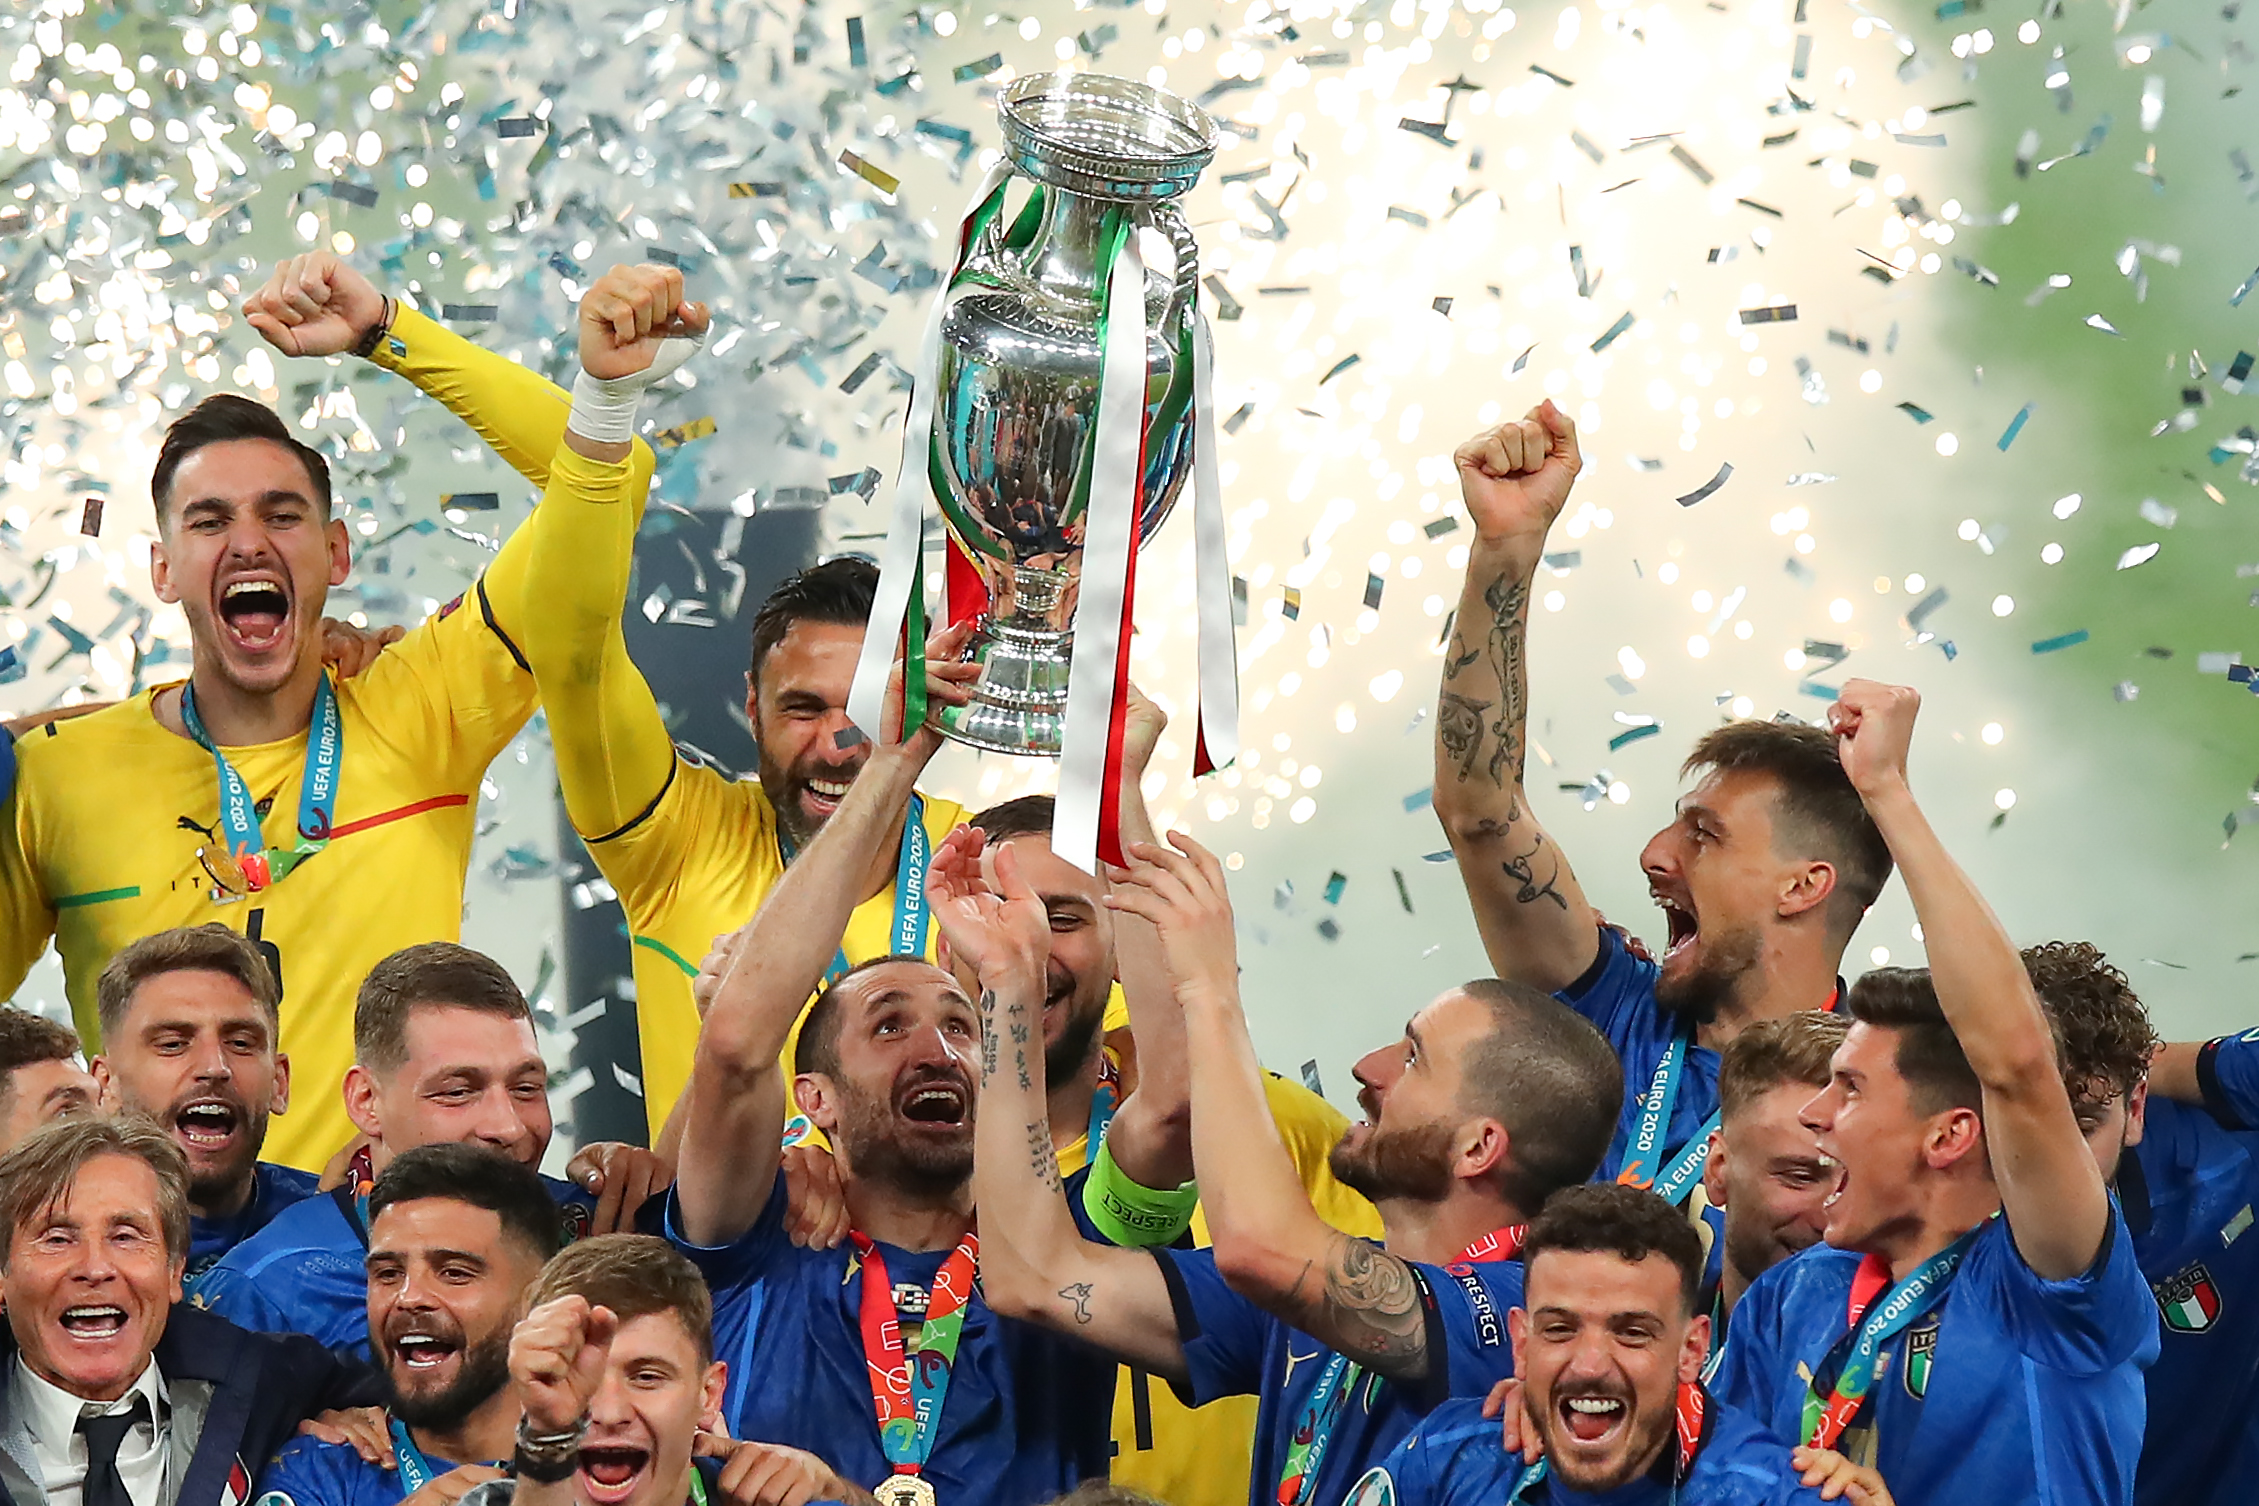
(904,1490)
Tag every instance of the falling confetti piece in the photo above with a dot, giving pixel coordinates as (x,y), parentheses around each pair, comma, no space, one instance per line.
(2060,641)
(878,177)
(1810,478)
(2239,372)
(470,313)
(1434,130)
(353,193)
(1441,526)
(1692,164)
(1778,314)
(472,501)
(2243,290)
(90,518)
(1374,584)
(1310,1078)
(1292,597)
(2016,425)
(1410,217)
(1441,305)
(1566,83)
(979,68)
(1330,929)
(682,434)
(1916,412)
(1521,361)
(1338,367)
(2125,690)
(1614,330)
(2096,321)
(1905,140)
(1419,800)
(1334,885)
(2140,554)
(517,125)
(1633,735)
(1403,891)
(1709,487)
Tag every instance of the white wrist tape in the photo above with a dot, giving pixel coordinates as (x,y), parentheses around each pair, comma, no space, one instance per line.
(604,407)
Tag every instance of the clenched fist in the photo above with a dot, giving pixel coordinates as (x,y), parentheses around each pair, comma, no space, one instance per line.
(1516,476)
(557,1357)
(629,314)
(314,305)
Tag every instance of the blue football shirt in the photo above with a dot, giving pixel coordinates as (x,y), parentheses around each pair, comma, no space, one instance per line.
(1453,1459)
(273,1188)
(307,1270)
(311,1473)
(1028,1415)
(1234,1348)
(2010,1390)
(2189,1190)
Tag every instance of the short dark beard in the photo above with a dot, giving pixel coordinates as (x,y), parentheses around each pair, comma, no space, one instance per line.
(1412,1165)
(783,787)
(1065,1057)
(1726,960)
(916,1167)
(485,1370)
(1656,1435)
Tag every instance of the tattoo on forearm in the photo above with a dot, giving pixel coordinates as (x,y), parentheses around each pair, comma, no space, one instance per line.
(1461,729)
(1520,870)
(1458,726)
(988,1041)
(1041,1156)
(1079,1295)
(1366,1303)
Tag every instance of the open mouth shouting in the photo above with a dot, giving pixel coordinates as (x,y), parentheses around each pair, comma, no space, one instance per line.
(940,1102)
(610,1473)
(1685,926)
(426,1354)
(1592,1419)
(94,1322)
(207,1127)
(253,611)
(819,798)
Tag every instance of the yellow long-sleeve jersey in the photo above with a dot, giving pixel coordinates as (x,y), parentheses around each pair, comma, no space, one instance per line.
(98,845)
(1200,1456)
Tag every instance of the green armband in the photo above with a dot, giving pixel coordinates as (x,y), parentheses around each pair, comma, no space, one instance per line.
(1131,1216)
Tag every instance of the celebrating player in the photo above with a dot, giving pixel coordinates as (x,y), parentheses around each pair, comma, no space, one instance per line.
(1976,1324)
(221,797)
(1762,877)
(1496,1097)
(41,1079)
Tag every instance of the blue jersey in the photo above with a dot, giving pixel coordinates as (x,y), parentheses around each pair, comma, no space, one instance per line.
(307,1270)
(1028,1414)
(273,1188)
(2189,1190)
(309,1472)
(2036,1384)
(1234,1348)
(1453,1459)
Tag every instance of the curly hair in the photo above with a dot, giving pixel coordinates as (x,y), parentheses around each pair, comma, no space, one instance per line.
(2106,1036)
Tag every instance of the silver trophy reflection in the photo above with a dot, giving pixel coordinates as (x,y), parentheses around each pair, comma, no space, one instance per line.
(1017,387)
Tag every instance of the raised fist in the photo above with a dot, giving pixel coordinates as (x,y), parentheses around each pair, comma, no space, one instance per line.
(629,314)
(314,305)
(1874,730)
(1516,477)
(557,1357)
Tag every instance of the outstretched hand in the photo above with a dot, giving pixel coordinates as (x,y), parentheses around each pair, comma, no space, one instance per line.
(1516,477)
(949,682)
(1874,730)
(1184,895)
(987,913)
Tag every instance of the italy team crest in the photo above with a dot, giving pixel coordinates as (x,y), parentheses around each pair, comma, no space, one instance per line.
(2189,1299)
(1921,1356)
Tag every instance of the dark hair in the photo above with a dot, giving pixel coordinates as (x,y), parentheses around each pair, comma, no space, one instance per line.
(216,420)
(1816,812)
(2104,1030)
(1903,1000)
(429,973)
(1551,1079)
(40,1169)
(1791,1050)
(208,948)
(478,1176)
(1630,1223)
(26,1040)
(1028,816)
(817,1049)
(1105,1493)
(838,591)
(635,1275)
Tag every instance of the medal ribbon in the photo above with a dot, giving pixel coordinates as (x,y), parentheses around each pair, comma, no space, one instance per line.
(1866,1333)
(415,1470)
(317,793)
(1313,1432)
(911,921)
(906,1397)
(1103,1101)
(1693,1402)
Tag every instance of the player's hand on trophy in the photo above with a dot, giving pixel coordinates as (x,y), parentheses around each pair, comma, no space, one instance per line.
(557,1357)
(314,305)
(949,682)
(1515,477)
(629,315)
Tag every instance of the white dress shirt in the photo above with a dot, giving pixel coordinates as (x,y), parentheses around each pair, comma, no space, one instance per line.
(60,1449)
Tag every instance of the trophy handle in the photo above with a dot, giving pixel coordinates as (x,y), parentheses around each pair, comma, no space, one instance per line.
(1169,220)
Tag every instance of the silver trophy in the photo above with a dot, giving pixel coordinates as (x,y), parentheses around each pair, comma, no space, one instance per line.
(1017,386)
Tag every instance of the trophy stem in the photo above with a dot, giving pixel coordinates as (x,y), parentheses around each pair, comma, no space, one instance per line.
(1019,704)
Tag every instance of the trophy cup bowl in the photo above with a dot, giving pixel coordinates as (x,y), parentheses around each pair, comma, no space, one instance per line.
(1016,392)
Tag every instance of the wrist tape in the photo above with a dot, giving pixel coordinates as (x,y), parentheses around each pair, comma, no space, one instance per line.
(604,407)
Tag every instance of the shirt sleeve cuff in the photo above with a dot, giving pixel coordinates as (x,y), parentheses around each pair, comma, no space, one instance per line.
(2216,1097)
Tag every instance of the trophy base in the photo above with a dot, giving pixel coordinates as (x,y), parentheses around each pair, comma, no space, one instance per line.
(1019,703)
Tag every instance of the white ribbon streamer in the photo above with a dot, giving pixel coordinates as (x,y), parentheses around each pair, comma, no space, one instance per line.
(1219,666)
(1108,543)
(902,558)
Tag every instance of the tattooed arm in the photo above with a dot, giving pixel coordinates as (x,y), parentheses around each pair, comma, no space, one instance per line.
(1035,1264)
(1535,922)
(1270,1243)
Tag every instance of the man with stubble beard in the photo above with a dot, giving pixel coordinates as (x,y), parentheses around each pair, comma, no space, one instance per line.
(1762,877)
(456,1236)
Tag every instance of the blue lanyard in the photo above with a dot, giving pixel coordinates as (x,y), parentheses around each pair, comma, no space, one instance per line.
(1644,1156)
(317,788)
(1676,1183)
(1104,1099)
(1319,1414)
(911,921)
(1826,1418)
(415,1470)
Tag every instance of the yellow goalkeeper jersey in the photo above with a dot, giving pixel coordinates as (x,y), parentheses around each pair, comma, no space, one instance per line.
(99,845)
(1200,1456)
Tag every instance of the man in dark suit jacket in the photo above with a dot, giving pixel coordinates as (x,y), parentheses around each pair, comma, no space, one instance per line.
(112,1391)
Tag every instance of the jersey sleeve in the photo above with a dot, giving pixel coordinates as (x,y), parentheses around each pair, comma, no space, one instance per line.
(742,1264)
(2094,1322)
(2228,1071)
(1224,1335)
(1468,1348)
(236,1294)
(27,921)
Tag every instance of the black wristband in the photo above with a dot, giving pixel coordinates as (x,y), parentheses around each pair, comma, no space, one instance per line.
(366,349)
(544,1471)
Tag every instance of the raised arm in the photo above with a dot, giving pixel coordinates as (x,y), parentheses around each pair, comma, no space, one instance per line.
(1035,1264)
(727,1165)
(1151,1138)
(1534,920)
(1270,1244)
(2050,1188)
